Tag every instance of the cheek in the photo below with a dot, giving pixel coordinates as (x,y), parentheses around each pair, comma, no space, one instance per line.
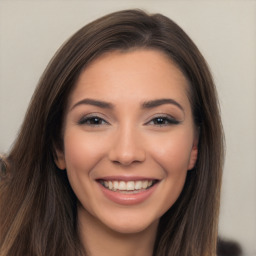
(82,152)
(173,152)
(173,156)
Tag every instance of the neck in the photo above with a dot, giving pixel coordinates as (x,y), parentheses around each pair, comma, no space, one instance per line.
(99,239)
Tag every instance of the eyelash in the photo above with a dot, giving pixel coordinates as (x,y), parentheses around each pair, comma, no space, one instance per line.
(164,121)
(96,119)
(158,121)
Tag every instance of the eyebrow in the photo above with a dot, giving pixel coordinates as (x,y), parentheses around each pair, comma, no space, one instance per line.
(159,102)
(97,103)
(145,105)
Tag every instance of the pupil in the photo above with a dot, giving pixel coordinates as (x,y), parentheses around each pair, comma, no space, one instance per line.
(96,121)
(160,120)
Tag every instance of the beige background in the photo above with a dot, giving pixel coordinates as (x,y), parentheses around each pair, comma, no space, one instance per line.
(225,31)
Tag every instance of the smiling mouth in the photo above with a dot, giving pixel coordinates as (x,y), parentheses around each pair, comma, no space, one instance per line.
(128,187)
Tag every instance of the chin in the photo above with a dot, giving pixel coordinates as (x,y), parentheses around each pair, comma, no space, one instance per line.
(131,225)
(129,229)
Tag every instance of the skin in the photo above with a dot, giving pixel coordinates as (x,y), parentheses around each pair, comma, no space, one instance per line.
(130,138)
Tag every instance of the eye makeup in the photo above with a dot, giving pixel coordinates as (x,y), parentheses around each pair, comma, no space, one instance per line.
(163,120)
(92,120)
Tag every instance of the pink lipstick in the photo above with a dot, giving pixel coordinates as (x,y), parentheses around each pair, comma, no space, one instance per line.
(126,191)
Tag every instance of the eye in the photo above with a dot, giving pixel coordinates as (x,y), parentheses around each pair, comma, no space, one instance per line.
(92,121)
(163,121)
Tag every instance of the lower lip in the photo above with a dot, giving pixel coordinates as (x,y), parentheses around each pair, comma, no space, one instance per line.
(128,199)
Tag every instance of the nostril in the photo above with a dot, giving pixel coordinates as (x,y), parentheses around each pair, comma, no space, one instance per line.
(126,163)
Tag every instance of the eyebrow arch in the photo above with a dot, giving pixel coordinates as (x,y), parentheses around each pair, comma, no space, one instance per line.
(97,103)
(145,105)
(159,102)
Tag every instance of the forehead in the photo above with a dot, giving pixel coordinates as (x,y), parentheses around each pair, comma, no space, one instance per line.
(145,72)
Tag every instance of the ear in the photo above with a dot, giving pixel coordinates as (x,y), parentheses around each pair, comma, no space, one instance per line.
(193,157)
(194,151)
(60,159)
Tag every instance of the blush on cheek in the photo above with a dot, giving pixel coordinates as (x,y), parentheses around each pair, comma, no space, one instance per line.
(82,154)
(176,156)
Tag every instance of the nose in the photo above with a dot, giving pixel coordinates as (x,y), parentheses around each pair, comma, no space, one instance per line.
(127,147)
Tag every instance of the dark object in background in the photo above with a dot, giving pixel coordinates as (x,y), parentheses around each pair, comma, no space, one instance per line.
(228,248)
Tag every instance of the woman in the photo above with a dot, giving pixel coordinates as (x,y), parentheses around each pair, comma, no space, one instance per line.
(121,149)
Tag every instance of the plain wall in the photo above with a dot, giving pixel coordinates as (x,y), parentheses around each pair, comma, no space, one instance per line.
(225,32)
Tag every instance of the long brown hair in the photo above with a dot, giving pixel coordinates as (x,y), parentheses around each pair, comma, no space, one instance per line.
(38,207)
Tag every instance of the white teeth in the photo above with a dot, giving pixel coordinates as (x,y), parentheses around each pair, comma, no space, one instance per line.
(122,185)
(106,184)
(127,186)
(130,185)
(144,184)
(138,184)
(115,185)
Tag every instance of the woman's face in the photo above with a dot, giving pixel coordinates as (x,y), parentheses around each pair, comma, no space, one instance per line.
(129,139)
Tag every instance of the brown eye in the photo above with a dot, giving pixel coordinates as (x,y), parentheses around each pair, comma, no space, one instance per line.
(92,121)
(163,121)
